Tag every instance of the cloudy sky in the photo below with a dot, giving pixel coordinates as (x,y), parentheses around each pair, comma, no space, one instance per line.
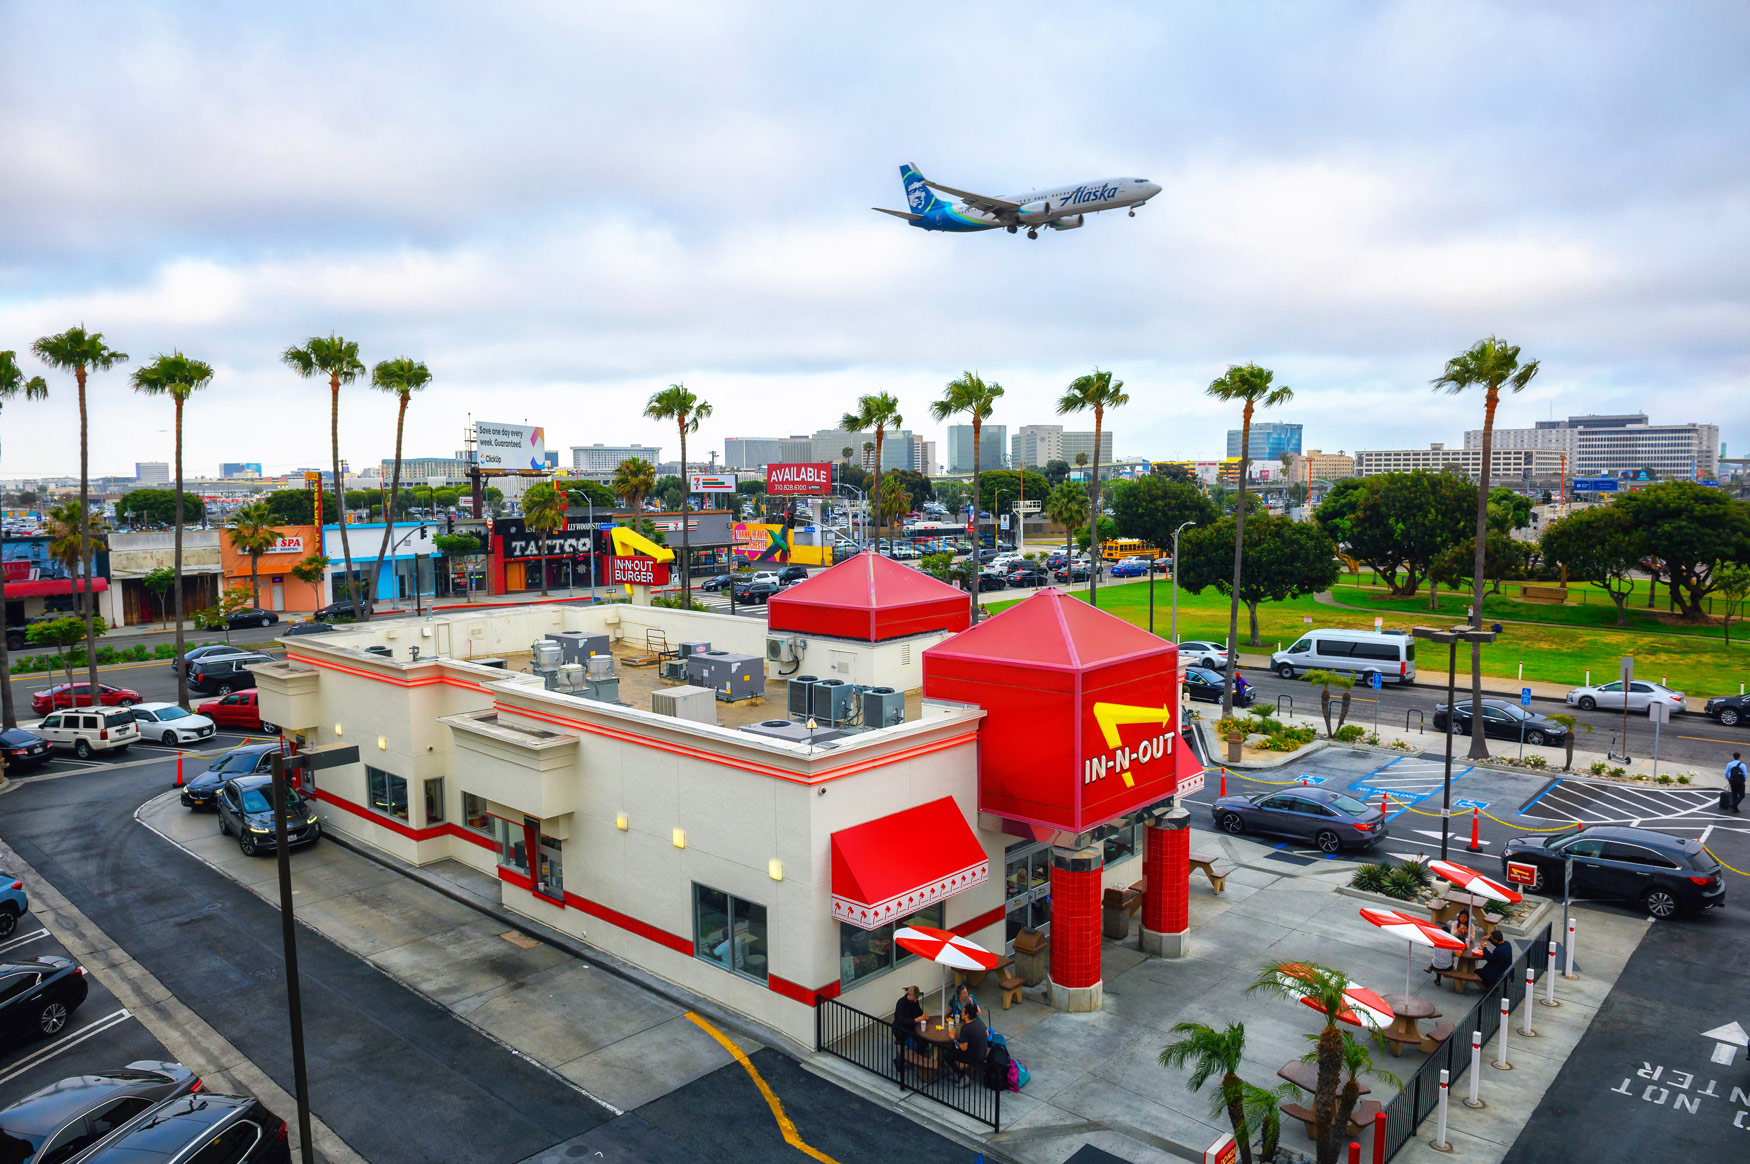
(563,207)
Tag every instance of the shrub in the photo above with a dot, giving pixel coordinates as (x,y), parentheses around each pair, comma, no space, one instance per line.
(1665,778)
(1619,772)
(1402,884)
(1372,738)
(1597,768)
(1349,733)
(1417,870)
(1683,779)
(1371,877)
(1536,762)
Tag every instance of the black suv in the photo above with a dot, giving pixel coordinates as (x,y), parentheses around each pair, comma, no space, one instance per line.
(203,1127)
(1730,710)
(38,997)
(246,809)
(223,674)
(1028,574)
(1668,875)
(338,610)
(791,574)
(747,590)
(61,1120)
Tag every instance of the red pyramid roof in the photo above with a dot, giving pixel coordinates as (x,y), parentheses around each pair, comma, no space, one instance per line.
(870,597)
(1052,629)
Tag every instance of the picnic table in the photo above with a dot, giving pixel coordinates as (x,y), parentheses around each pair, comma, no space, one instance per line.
(975,978)
(1456,901)
(1306,1077)
(1405,1029)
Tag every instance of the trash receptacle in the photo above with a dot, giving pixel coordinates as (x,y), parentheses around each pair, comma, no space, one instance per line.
(1114,918)
(1234,740)
(1030,956)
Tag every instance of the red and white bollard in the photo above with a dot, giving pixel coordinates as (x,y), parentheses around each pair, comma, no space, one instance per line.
(1476,1069)
(1354,1152)
(1379,1137)
(1501,1063)
(1476,836)
(1569,973)
(1223,791)
(1440,1124)
(1549,978)
(1525,1007)
(179,769)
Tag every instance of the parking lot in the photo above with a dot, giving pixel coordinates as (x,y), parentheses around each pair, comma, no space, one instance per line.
(65,763)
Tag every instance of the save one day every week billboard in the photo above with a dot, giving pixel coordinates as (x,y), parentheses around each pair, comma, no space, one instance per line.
(509,447)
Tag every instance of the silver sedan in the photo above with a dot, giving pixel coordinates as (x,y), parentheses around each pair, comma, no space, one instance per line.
(1640,695)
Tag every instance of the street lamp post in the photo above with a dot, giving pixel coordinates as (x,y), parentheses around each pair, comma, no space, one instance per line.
(1463,633)
(1151,585)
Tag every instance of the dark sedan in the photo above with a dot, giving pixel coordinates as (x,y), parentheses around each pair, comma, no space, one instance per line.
(25,751)
(63,1119)
(1205,686)
(341,611)
(1503,721)
(202,1128)
(1730,710)
(251,616)
(309,628)
(1332,821)
(989,579)
(1028,574)
(202,791)
(1667,875)
(38,997)
(717,582)
(246,811)
(1077,572)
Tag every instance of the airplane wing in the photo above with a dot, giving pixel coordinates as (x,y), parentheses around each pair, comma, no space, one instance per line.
(980,201)
(899,214)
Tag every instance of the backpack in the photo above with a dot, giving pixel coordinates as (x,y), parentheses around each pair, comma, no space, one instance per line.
(1018,1077)
(996,1068)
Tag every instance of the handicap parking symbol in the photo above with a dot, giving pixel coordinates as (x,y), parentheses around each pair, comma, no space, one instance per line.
(1312,780)
(1479,805)
(1373,680)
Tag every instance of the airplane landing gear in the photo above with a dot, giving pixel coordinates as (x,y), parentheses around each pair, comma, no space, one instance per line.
(1133,214)
(1032,233)
(1012,229)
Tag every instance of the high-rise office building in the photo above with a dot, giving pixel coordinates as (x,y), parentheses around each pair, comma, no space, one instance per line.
(420,470)
(1036,444)
(1270,439)
(607,458)
(993,447)
(1611,445)
(923,457)
(1082,444)
(758,452)
(240,469)
(898,451)
(155,472)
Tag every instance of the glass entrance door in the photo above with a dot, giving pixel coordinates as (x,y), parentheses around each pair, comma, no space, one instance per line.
(1026,889)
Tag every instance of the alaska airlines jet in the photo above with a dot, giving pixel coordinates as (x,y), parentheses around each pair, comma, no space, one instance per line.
(1063,208)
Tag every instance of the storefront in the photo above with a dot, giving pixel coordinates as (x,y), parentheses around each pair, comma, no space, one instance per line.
(518,558)
(134,557)
(37,583)
(411,564)
(280,589)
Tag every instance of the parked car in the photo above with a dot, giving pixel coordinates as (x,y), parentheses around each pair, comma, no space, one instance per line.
(202,791)
(170,725)
(1668,875)
(992,579)
(791,574)
(25,751)
(250,616)
(1332,821)
(246,811)
(1503,721)
(211,651)
(770,576)
(749,590)
(224,674)
(203,1128)
(1641,693)
(907,553)
(1202,653)
(1389,654)
(1130,568)
(1028,574)
(717,582)
(339,610)
(79,695)
(90,730)
(240,709)
(14,902)
(1730,710)
(1205,686)
(1074,572)
(55,1124)
(309,628)
(37,997)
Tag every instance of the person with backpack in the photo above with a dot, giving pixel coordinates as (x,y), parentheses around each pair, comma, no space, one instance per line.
(970,1047)
(1735,776)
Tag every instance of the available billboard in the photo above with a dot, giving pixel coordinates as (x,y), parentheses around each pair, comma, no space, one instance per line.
(711,483)
(636,571)
(790,479)
(506,448)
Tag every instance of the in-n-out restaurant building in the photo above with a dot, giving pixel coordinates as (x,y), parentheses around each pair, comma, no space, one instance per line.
(1035,765)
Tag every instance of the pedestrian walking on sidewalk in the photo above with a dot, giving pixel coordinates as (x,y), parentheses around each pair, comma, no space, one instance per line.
(1735,776)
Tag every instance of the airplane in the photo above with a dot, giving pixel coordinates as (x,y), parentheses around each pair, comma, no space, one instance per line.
(1063,208)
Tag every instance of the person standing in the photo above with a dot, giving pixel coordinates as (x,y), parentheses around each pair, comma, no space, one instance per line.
(1735,776)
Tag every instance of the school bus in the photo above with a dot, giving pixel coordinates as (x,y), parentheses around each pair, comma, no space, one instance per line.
(1120,548)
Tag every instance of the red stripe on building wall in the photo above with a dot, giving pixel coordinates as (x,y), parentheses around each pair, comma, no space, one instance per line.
(973,925)
(391,680)
(426,834)
(631,924)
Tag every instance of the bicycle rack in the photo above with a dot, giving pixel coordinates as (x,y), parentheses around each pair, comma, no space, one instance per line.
(1421,720)
(1279,700)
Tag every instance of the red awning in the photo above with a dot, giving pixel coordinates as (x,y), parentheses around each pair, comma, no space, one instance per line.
(49,587)
(892,867)
(871,598)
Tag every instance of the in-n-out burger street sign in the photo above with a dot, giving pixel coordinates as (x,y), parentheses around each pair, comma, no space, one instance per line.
(1521,873)
(793,479)
(637,571)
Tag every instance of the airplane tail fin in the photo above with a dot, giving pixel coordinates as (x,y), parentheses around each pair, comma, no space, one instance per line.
(918,196)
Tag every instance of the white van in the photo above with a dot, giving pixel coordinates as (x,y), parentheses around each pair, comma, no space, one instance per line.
(1389,654)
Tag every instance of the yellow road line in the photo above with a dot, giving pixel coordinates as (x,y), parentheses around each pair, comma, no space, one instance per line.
(785,1124)
(1710,740)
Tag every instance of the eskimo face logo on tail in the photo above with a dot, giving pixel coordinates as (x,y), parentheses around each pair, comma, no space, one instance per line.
(917,195)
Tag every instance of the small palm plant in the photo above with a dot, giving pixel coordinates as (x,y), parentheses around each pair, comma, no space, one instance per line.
(1327,680)
(1215,1053)
(1573,725)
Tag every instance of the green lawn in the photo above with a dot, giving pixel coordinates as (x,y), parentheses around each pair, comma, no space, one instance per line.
(1588,606)
(1553,653)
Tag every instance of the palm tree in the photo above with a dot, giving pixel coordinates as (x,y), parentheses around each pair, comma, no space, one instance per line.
(1573,725)
(403,377)
(1252,384)
(1068,506)
(634,480)
(971,395)
(878,412)
(1327,680)
(338,359)
(252,532)
(1215,1053)
(544,512)
(1491,365)
(1097,391)
(686,410)
(12,382)
(67,533)
(846,453)
(177,377)
(82,352)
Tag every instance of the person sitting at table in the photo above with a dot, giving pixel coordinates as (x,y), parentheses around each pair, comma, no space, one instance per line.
(1458,927)
(963,997)
(970,1046)
(908,1019)
(1497,959)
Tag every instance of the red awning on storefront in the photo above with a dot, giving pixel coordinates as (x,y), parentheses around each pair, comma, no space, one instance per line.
(49,587)
(892,867)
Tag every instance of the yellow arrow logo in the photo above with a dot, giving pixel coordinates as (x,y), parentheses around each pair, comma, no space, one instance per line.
(1110,715)
(629,541)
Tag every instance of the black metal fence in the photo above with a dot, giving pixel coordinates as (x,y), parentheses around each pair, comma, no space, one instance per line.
(867,1042)
(1421,1093)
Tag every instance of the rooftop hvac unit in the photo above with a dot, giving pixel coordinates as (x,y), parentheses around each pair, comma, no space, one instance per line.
(801,691)
(689,649)
(492,661)
(672,670)
(731,675)
(698,704)
(579,646)
(381,652)
(547,656)
(784,648)
(567,677)
(883,707)
(599,667)
(791,731)
(834,701)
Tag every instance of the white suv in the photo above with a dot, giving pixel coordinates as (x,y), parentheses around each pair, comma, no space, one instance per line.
(90,729)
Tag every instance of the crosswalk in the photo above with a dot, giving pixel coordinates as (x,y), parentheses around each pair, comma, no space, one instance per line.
(1408,778)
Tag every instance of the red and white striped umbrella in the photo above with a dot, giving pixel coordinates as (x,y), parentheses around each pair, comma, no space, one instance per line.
(1471,881)
(946,949)
(1366,1009)
(1413,930)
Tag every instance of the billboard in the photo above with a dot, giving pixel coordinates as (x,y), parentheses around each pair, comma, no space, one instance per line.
(711,483)
(506,448)
(1594,485)
(636,571)
(792,479)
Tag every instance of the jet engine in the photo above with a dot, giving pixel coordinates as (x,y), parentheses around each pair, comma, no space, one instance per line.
(1069,223)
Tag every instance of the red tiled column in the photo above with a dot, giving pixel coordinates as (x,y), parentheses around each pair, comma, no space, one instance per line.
(1074,977)
(1166,903)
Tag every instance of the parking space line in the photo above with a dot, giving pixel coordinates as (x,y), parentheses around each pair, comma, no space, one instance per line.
(22,940)
(66,1043)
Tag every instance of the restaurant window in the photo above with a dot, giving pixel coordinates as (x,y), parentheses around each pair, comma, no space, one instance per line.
(512,851)
(434,801)
(388,792)
(474,813)
(1123,844)
(549,872)
(865,953)
(729,932)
